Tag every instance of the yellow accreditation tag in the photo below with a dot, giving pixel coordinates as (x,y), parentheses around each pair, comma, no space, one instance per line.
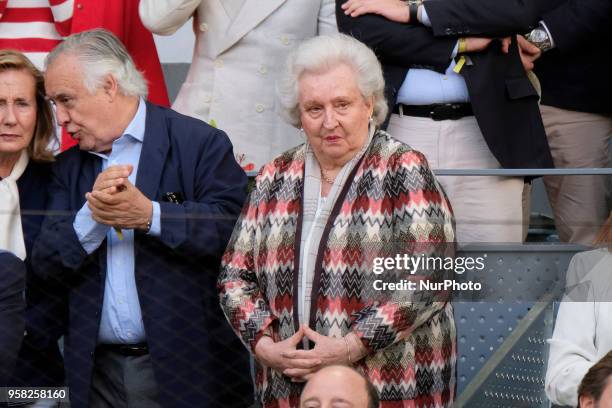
(119,233)
(213,123)
(459,64)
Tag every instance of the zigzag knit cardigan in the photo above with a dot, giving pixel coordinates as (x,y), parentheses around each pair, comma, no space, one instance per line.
(391,204)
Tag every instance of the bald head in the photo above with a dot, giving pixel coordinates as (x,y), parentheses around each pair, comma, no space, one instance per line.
(338,385)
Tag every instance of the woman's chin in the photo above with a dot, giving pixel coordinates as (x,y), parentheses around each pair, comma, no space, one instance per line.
(11,146)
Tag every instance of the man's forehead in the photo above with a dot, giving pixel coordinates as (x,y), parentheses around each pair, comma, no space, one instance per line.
(56,90)
(62,79)
(63,67)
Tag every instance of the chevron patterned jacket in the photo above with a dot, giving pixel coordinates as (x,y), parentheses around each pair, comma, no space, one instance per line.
(390,205)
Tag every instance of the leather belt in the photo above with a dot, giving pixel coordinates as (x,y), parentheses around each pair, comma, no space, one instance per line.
(437,111)
(133,350)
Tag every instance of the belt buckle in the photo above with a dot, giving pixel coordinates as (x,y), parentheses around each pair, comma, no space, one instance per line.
(439,112)
(449,111)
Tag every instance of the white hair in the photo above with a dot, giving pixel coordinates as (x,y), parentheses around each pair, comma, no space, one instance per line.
(100,54)
(323,53)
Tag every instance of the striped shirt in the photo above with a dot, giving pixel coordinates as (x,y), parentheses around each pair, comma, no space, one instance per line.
(34,27)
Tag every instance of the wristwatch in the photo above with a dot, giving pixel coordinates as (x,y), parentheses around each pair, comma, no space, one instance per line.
(413,9)
(540,38)
(147,227)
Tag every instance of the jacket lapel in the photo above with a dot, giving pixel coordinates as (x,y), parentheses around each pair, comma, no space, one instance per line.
(251,14)
(155,148)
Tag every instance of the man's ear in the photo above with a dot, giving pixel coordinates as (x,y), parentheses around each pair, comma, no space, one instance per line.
(110,86)
(585,401)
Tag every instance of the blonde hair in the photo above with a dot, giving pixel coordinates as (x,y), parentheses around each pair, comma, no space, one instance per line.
(44,131)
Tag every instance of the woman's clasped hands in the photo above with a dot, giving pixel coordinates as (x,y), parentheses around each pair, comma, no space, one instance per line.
(300,365)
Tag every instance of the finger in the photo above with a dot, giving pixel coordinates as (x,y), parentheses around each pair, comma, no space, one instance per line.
(303,364)
(110,190)
(361,10)
(312,335)
(350,6)
(300,354)
(527,46)
(506,45)
(114,182)
(93,203)
(127,168)
(347,4)
(298,372)
(296,338)
(101,219)
(115,172)
(301,358)
(101,212)
(104,198)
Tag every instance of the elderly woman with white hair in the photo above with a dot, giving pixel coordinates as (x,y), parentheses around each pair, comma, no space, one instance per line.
(311,275)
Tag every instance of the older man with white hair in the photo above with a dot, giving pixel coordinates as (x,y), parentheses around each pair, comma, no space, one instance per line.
(141,213)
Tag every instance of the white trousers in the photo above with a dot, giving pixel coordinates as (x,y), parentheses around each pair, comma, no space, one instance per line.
(487,209)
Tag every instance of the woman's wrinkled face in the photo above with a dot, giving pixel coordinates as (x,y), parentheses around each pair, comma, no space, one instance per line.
(334,113)
(17,110)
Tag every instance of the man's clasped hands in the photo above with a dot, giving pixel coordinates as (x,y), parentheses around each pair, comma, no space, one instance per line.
(116,202)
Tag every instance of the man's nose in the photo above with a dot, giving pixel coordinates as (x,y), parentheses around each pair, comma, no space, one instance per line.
(62,115)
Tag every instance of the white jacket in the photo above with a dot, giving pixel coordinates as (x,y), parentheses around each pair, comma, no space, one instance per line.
(236,62)
(583,329)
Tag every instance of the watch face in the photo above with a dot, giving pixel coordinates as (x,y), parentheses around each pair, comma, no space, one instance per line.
(538,36)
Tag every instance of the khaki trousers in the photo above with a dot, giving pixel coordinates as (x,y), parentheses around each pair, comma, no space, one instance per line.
(580,203)
(487,209)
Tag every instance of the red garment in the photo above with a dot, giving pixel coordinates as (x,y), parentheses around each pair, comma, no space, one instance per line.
(122,19)
(35,29)
(27,34)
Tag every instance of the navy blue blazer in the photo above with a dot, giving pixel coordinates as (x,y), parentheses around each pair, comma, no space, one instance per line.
(505,103)
(197,360)
(40,362)
(12,306)
(574,75)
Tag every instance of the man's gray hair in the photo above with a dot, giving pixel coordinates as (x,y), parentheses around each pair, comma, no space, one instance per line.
(101,53)
(322,53)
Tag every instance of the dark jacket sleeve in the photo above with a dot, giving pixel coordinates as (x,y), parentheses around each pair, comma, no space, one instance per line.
(405,45)
(451,18)
(57,249)
(572,23)
(12,312)
(577,22)
(202,226)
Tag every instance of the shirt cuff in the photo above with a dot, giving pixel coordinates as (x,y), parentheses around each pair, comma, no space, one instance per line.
(155,221)
(550,37)
(89,232)
(424,17)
